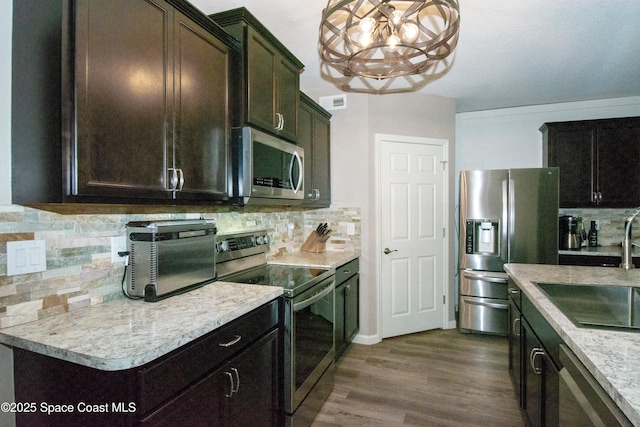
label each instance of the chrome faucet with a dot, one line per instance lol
(627, 245)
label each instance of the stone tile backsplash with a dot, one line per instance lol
(611, 223)
(79, 270)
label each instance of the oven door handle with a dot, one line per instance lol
(315, 298)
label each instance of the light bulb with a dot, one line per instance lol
(392, 42)
(409, 31)
(366, 25)
(365, 39)
(396, 17)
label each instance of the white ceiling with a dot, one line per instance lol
(510, 53)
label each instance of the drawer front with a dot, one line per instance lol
(161, 379)
(483, 315)
(514, 293)
(483, 284)
(347, 270)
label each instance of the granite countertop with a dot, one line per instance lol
(125, 333)
(311, 259)
(611, 356)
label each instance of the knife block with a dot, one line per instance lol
(315, 243)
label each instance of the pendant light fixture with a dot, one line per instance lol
(381, 39)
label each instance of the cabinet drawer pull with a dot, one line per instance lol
(230, 343)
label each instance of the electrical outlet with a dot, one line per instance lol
(351, 229)
(118, 244)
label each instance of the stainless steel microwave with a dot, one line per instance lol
(270, 169)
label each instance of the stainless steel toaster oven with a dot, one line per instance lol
(169, 257)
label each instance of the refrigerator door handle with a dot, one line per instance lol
(511, 225)
(506, 226)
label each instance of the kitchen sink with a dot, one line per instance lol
(597, 306)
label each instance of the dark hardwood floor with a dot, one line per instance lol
(433, 378)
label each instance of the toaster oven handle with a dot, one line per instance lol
(299, 160)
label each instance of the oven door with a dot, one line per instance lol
(310, 340)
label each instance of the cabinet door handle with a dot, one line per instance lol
(180, 179)
(231, 387)
(516, 332)
(535, 352)
(279, 121)
(235, 371)
(230, 343)
(173, 179)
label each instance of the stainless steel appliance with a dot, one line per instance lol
(570, 232)
(308, 319)
(508, 215)
(269, 170)
(168, 257)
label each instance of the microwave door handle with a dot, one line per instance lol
(299, 160)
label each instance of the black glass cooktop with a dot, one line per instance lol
(293, 279)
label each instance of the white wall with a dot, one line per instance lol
(6, 10)
(5, 101)
(510, 137)
(353, 169)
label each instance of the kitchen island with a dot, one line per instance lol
(177, 361)
(124, 333)
(611, 356)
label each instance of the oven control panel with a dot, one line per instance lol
(242, 241)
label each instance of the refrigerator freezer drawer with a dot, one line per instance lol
(483, 284)
(485, 315)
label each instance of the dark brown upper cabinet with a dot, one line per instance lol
(271, 76)
(138, 103)
(599, 161)
(314, 137)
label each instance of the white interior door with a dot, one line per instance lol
(411, 205)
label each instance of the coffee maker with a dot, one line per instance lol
(570, 232)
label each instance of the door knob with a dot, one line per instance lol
(387, 251)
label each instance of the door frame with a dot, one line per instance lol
(379, 138)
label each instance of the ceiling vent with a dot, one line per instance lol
(336, 102)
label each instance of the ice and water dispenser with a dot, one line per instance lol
(483, 236)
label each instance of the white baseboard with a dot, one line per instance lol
(366, 339)
(451, 325)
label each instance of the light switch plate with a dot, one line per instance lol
(26, 256)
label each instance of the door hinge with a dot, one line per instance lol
(444, 232)
(444, 164)
(444, 299)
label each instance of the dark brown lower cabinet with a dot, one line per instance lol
(540, 381)
(216, 380)
(552, 385)
(242, 392)
(347, 308)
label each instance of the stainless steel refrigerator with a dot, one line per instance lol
(506, 216)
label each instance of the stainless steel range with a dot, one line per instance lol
(308, 319)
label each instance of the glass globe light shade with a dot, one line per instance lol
(409, 31)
